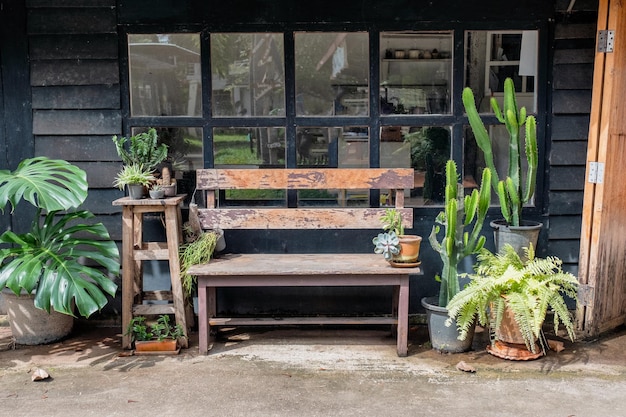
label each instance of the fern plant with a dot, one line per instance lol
(143, 149)
(529, 288)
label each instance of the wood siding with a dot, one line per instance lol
(572, 78)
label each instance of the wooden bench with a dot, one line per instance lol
(301, 270)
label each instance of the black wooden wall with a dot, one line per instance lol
(572, 79)
(61, 85)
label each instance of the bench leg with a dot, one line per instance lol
(203, 319)
(403, 317)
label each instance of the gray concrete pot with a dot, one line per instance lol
(444, 338)
(32, 326)
(517, 236)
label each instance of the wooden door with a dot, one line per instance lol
(602, 269)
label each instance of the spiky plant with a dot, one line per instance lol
(511, 192)
(143, 149)
(458, 215)
(529, 288)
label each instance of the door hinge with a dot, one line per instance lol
(606, 39)
(596, 172)
(585, 295)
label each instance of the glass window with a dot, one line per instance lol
(248, 74)
(249, 146)
(332, 73)
(165, 75)
(415, 73)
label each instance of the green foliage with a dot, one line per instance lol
(139, 330)
(143, 149)
(392, 221)
(458, 215)
(133, 174)
(197, 252)
(62, 257)
(388, 244)
(510, 190)
(530, 288)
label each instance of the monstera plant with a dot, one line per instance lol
(65, 259)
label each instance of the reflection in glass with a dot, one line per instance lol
(248, 146)
(165, 75)
(415, 72)
(248, 74)
(332, 74)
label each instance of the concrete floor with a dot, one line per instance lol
(309, 372)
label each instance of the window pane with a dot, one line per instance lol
(165, 75)
(332, 74)
(354, 148)
(184, 154)
(248, 74)
(258, 146)
(426, 150)
(494, 56)
(415, 73)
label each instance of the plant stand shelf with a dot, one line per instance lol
(135, 250)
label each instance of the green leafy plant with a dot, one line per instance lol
(143, 149)
(387, 244)
(133, 174)
(392, 221)
(528, 287)
(511, 192)
(458, 215)
(62, 258)
(195, 252)
(161, 329)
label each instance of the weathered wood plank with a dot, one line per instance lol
(296, 218)
(567, 178)
(564, 227)
(77, 97)
(92, 46)
(567, 250)
(347, 179)
(568, 153)
(77, 122)
(74, 72)
(566, 202)
(70, 3)
(100, 174)
(570, 127)
(72, 20)
(571, 101)
(574, 56)
(78, 148)
(575, 31)
(573, 76)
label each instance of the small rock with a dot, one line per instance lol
(462, 366)
(556, 345)
(39, 375)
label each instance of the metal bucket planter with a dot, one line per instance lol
(444, 338)
(136, 191)
(33, 326)
(517, 236)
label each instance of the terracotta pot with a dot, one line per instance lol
(167, 345)
(509, 342)
(409, 250)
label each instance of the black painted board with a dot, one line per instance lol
(573, 76)
(53, 20)
(74, 72)
(77, 148)
(100, 174)
(568, 153)
(566, 203)
(571, 101)
(564, 227)
(77, 97)
(77, 122)
(92, 46)
(570, 128)
(567, 178)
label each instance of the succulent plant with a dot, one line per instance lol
(388, 244)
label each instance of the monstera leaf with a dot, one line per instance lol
(64, 260)
(49, 184)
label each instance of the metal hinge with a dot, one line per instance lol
(606, 39)
(596, 172)
(585, 295)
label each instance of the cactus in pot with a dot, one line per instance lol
(457, 243)
(511, 191)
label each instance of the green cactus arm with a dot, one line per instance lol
(496, 109)
(510, 102)
(471, 204)
(451, 218)
(480, 132)
(516, 202)
(522, 117)
(532, 155)
(505, 206)
(484, 199)
(432, 238)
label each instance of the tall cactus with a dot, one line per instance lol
(511, 193)
(458, 214)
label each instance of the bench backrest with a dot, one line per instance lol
(213, 216)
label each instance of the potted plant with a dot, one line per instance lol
(143, 149)
(512, 295)
(462, 220)
(511, 190)
(156, 192)
(408, 245)
(64, 262)
(136, 177)
(159, 337)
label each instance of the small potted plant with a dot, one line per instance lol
(156, 192)
(409, 245)
(512, 295)
(64, 263)
(511, 190)
(159, 337)
(136, 177)
(462, 222)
